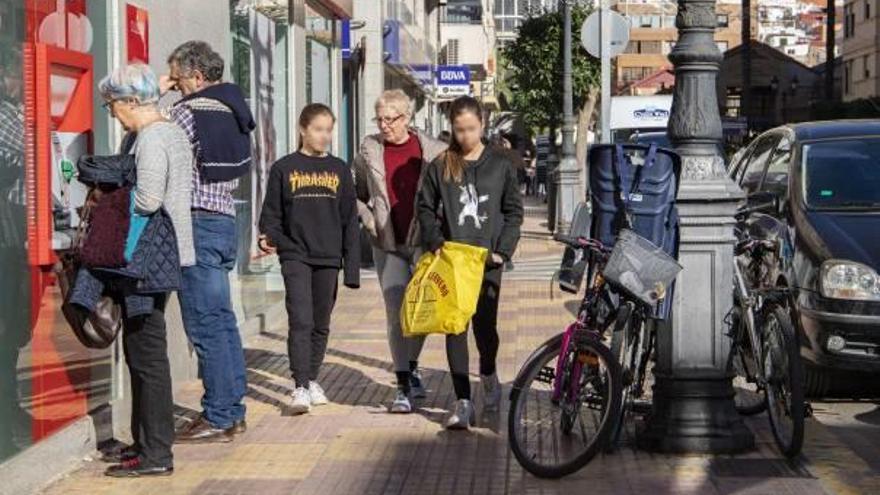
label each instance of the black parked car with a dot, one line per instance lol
(816, 188)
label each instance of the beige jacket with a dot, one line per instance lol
(372, 189)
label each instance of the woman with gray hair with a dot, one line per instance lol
(163, 158)
(388, 172)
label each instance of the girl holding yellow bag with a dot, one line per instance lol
(470, 195)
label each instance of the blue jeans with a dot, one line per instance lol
(210, 322)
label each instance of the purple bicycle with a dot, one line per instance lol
(567, 398)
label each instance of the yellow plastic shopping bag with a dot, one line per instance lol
(442, 295)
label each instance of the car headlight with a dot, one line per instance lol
(850, 280)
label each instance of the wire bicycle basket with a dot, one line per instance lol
(640, 268)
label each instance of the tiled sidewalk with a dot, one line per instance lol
(352, 446)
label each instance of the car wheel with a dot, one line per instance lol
(817, 382)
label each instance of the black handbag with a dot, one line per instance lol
(574, 263)
(96, 329)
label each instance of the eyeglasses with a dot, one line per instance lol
(387, 120)
(108, 104)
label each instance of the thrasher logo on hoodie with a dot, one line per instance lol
(313, 184)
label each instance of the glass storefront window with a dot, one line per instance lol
(282, 117)
(241, 48)
(401, 10)
(259, 66)
(320, 37)
(15, 317)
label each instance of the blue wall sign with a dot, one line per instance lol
(453, 75)
(346, 39)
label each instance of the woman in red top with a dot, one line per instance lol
(388, 172)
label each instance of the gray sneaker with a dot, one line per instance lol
(416, 386)
(491, 392)
(401, 404)
(463, 416)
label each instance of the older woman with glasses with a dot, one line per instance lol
(388, 173)
(163, 158)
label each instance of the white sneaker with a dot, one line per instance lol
(491, 392)
(302, 401)
(316, 393)
(462, 417)
(401, 404)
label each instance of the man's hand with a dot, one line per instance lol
(166, 84)
(497, 259)
(265, 244)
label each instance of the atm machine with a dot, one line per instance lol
(61, 116)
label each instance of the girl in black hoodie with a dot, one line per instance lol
(470, 195)
(310, 218)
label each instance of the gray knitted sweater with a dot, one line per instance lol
(164, 179)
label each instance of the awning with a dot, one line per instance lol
(279, 10)
(339, 8)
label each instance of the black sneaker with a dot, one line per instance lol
(417, 390)
(132, 469)
(120, 455)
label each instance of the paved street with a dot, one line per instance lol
(352, 446)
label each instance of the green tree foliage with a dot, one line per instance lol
(532, 67)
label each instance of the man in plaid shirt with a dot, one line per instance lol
(196, 71)
(208, 196)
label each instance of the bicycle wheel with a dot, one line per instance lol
(785, 381)
(552, 438)
(748, 398)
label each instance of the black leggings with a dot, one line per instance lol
(311, 295)
(485, 326)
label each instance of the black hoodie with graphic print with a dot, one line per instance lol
(484, 210)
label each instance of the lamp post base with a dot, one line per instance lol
(693, 412)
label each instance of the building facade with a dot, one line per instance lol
(861, 51)
(782, 88)
(509, 15)
(468, 38)
(394, 45)
(653, 35)
(797, 28)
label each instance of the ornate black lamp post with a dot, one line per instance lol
(693, 408)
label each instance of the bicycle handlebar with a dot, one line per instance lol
(749, 244)
(581, 243)
(568, 240)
